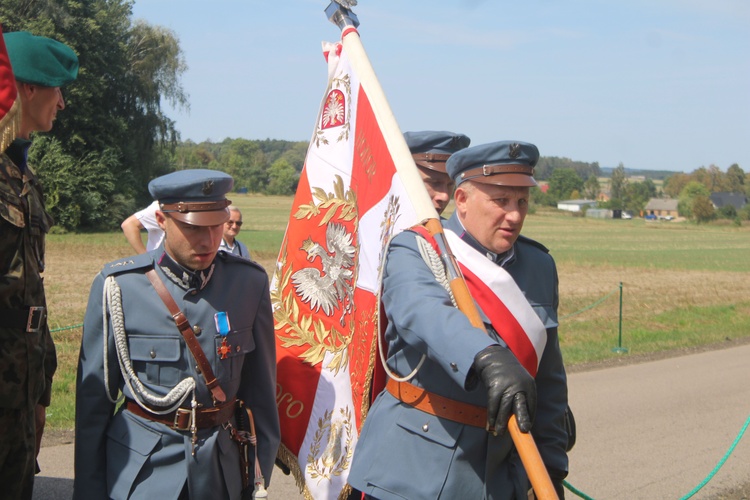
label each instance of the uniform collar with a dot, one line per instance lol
(18, 152)
(183, 276)
(227, 246)
(455, 225)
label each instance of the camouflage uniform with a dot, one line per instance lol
(27, 359)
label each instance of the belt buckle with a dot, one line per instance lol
(177, 414)
(36, 319)
(485, 172)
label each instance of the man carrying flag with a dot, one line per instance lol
(426, 435)
(430, 150)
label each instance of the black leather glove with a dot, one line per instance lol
(510, 389)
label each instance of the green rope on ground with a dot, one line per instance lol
(577, 492)
(697, 488)
(721, 462)
(66, 328)
(591, 306)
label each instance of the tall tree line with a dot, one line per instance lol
(114, 137)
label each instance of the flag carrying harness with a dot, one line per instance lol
(437, 266)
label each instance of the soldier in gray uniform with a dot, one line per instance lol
(426, 436)
(430, 150)
(175, 435)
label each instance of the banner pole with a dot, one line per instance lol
(347, 21)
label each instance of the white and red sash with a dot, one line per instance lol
(499, 297)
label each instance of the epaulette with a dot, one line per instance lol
(232, 258)
(128, 264)
(524, 239)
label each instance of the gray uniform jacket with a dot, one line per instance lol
(404, 453)
(127, 456)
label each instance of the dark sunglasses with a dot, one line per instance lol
(238, 223)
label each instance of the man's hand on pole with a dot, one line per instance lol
(510, 389)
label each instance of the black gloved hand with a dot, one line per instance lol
(510, 389)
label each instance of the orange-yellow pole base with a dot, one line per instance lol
(532, 462)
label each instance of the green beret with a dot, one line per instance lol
(41, 60)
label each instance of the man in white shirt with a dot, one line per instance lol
(145, 219)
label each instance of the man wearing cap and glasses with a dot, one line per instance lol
(430, 150)
(229, 242)
(188, 336)
(30, 99)
(438, 430)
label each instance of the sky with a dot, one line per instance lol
(651, 84)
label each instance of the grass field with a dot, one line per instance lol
(683, 285)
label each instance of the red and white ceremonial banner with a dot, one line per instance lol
(349, 202)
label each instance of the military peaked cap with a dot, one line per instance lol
(196, 197)
(506, 163)
(432, 149)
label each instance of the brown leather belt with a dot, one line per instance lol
(434, 404)
(180, 420)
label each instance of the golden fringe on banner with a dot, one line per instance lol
(10, 125)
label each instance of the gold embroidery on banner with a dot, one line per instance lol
(335, 458)
(388, 225)
(333, 109)
(366, 157)
(293, 407)
(296, 329)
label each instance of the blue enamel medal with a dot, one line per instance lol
(222, 328)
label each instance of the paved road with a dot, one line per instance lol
(656, 430)
(646, 431)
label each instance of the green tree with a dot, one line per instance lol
(637, 194)
(237, 159)
(617, 187)
(727, 212)
(563, 182)
(674, 184)
(78, 192)
(282, 178)
(539, 197)
(716, 179)
(689, 194)
(735, 179)
(113, 116)
(548, 164)
(703, 209)
(592, 188)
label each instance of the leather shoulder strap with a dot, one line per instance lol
(183, 325)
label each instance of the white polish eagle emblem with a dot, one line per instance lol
(334, 286)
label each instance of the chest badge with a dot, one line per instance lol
(222, 328)
(223, 349)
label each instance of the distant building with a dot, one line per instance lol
(575, 205)
(600, 213)
(661, 207)
(737, 200)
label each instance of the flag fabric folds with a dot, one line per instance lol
(349, 202)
